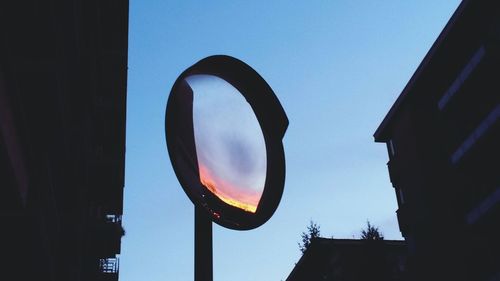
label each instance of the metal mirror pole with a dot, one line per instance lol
(203, 268)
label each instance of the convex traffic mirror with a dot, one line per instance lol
(224, 128)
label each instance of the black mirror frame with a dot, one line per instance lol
(180, 141)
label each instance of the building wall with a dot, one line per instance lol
(351, 259)
(445, 131)
(63, 71)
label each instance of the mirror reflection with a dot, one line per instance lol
(230, 146)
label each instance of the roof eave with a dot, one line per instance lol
(382, 132)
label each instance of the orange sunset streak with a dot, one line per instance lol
(209, 182)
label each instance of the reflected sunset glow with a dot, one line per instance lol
(243, 199)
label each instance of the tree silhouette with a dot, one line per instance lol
(371, 233)
(313, 231)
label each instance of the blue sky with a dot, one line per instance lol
(336, 66)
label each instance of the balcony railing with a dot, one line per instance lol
(113, 218)
(109, 265)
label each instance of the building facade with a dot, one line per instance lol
(351, 260)
(442, 136)
(63, 77)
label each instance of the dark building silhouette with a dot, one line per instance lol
(443, 139)
(351, 260)
(63, 73)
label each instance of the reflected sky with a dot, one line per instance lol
(230, 145)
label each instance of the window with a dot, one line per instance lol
(390, 147)
(464, 74)
(401, 196)
(481, 129)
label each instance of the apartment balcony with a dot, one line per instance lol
(105, 236)
(402, 214)
(108, 269)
